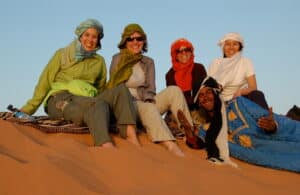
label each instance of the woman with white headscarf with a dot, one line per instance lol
(234, 72)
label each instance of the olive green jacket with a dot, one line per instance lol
(91, 70)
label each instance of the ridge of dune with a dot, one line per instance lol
(32, 162)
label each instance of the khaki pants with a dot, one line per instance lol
(94, 112)
(171, 99)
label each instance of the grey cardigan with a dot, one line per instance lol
(147, 91)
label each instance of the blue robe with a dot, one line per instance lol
(250, 143)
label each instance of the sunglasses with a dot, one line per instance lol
(139, 39)
(187, 49)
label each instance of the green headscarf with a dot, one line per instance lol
(124, 68)
(128, 31)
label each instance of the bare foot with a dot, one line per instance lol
(131, 135)
(173, 148)
(108, 145)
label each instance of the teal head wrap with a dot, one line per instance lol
(90, 23)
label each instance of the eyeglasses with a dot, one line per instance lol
(187, 49)
(139, 39)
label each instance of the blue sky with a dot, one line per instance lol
(32, 30)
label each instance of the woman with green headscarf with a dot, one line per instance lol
(137, 71)
(72, 88)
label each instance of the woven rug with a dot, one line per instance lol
(45, 124)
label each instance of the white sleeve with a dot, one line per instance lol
(249, 68)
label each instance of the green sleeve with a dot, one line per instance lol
(101, 80)
(44, 84)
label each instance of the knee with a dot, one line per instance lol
(121, 91)
(99, 108)
(101, 104)
(257, 93)
(259, 98)
(148, 108)
(120, 88)
(74, 113)
(174, 90)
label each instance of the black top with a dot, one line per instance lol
(198, 75)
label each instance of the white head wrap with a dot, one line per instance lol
(233, 36)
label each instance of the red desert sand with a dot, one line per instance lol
(32, 162)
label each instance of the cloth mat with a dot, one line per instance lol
(45, 124)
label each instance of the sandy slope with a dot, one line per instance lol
(32, 162)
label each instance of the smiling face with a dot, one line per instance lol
(206, 98)
(135, 43)
(183, 54)
(231, 47)
(89, 39)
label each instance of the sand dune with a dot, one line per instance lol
(32, 162)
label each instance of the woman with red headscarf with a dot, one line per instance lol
(132, 67)
(188, 76)
(185, 73)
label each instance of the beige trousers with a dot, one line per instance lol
(150, 114)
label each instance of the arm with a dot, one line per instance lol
(202, 72)
(251, 81)
(113, 64)
(170, 78)
(250, 77)
(198, 74)
(101, 80)
(150, 89)
(44, 84)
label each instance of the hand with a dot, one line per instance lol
(23, 111)
(237, 93)
(267, 123)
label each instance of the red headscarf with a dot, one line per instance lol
(183, 71)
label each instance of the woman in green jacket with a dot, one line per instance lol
(72, 88)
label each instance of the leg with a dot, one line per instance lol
(121, 104)
(96, 116)
(153, 122)
(156, 127)
(259, 98)
(82, 111)
(173, 99)
(173, 148)
(131, 135)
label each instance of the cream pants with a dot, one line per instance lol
(150, 114)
